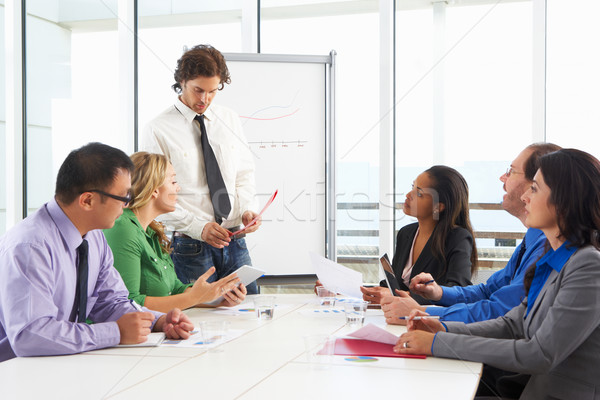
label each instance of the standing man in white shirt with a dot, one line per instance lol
(214, 167)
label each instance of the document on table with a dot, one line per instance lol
(375, 334)
(196, 340)
(154, 339)
(370, 340)
(336, 277)
(363, 347)
(240, 309)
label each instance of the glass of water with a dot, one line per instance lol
(265, 307)
(326, 297)
(213, 334)
(355, 313)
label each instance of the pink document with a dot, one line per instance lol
(362, 347)
(257, 217)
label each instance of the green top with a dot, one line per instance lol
(144, 267)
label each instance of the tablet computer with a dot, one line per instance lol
(247, 275)
(390, 277)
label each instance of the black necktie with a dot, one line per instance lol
(216, 186)
(520, 257)
(80, 303)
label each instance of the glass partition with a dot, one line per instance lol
(317, 28)
(164, 34)
(464, 95)
(72, 86)
(573, 81)
(2, 125)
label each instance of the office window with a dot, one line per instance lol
(464, 93)
(573, 81)
(413, 99)
(165, 32)
(2, 125)
(296, 27)
(72, 86)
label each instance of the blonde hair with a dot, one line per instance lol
(150, 171)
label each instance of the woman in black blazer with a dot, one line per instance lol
(441, 241)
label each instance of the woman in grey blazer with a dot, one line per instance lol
(554, 335)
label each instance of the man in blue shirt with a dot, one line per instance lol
(504, 289)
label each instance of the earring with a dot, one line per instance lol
(436, 214)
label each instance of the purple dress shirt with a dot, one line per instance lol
(38, 261)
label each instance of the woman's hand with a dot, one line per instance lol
(432, 325)
(234, 296)
(374, 294)
(420, 335)
(414, 342)
(203, 291)
(394, 307)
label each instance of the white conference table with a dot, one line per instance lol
(267, 361)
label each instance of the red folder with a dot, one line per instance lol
(362, 347)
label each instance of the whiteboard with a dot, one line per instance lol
(284, 107)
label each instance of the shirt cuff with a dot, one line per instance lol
(433, 341)
(196, 230)
(439, 311)
(157, 315)
(449, 296)
(107, 334)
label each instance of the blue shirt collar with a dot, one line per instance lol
(556, 259)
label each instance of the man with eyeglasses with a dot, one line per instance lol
(59, 291)
(504, 289)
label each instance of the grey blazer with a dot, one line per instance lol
(558, 343)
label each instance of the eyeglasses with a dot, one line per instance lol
(511, 171)
(127, 199)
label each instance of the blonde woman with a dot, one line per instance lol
(141, 249)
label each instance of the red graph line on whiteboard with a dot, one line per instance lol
(270, 119)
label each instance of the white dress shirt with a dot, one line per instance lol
(175, 134)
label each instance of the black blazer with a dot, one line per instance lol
(459, 245)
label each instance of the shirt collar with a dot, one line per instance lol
(532, 235)
(65, 226)
(130, 215)
(190, 114)
(556, 259)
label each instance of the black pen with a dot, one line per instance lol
(421, 317)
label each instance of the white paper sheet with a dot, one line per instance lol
(336, 277)
(196, 341)
(325, 312)
(154, 339)
(375, 334)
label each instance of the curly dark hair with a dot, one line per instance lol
(573, 177)
(201, 60)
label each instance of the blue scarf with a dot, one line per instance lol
(552, 260)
